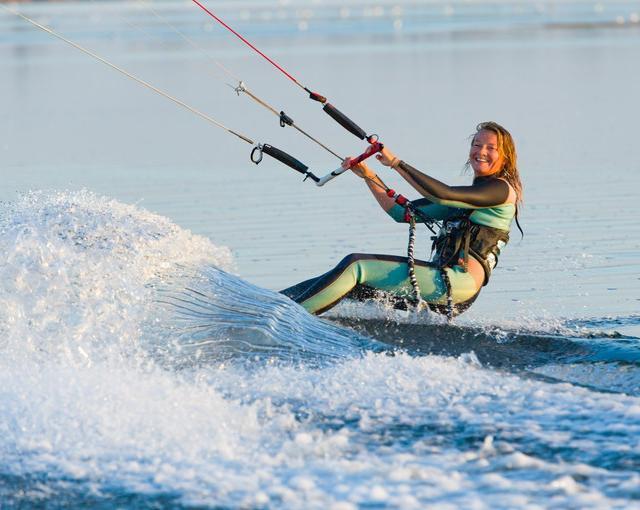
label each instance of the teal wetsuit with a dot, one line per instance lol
(482, 207)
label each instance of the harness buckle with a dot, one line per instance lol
(454, 224)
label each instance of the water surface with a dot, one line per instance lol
(147, 360)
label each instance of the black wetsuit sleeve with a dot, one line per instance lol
(484, 192)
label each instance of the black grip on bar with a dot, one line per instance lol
(285, 158)
(344, 121)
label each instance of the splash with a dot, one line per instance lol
(110, 316)
(74, 283)
(373, 431)
(217, 317)
(121, 386)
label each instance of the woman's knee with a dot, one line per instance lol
(463, 285)
(352, 258)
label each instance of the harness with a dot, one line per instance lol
(459, 237)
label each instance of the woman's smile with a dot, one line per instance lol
(484, 156)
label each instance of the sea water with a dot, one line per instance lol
(147, 359)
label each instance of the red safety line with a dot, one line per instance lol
(277, 66)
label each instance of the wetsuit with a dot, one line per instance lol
(476, 221)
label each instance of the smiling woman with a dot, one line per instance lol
(475, 227)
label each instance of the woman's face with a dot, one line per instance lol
(484, 156)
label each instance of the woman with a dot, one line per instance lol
(475, 227)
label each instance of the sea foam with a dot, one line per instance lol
(297, 413)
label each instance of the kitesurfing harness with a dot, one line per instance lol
(459, 237)
(462, 232)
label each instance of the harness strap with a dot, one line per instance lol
(410, 217)
(467, 241)
(447, 284)
(411, 262)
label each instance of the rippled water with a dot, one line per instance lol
(147, 360)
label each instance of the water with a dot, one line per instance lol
(147, 361)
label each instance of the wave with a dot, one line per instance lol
(74, 282)
(580, 352)
(378, 430)
(136, 369)
(217, 317)
(87, 278)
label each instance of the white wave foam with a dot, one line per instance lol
(75, 277)
(372, 430)
(379, 430)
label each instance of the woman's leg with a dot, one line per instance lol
(299, 288)
(387, 273)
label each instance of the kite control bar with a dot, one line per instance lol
(374, 148)
(283, 157)
(347, 123)
(299, 166)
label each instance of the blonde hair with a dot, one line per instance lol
(507, 148)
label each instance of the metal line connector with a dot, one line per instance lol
(240, 88)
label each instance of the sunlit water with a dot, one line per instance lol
(147, 360)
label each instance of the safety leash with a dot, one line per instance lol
(411, 263)
(447, 284)
(411, 211)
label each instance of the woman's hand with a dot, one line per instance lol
(361, 169)
(387, 158)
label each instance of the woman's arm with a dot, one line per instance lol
(483, 193)
(375, 185)
(388, 204)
